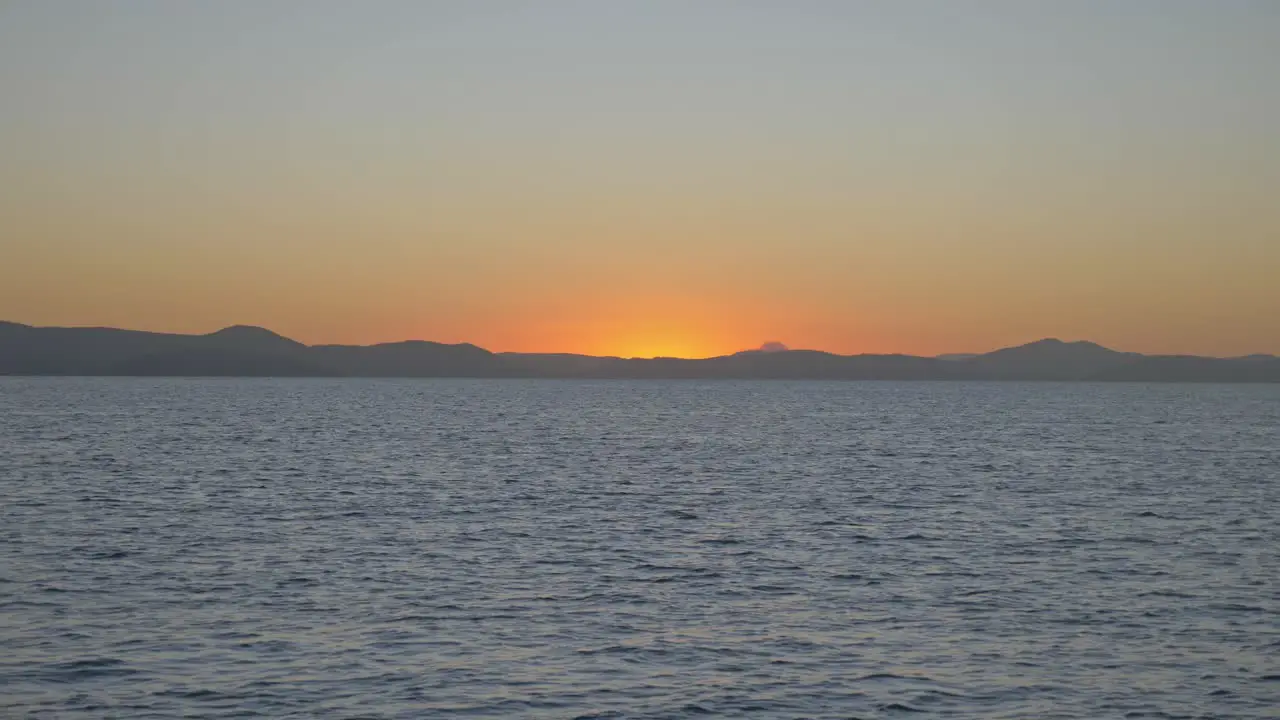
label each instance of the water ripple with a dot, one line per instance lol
(544, 549)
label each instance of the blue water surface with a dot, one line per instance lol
(560, 549)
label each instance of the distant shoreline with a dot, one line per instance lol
(243, 351)
(651, 379)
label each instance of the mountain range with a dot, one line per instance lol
(257, 352)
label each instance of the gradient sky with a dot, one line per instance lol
(686, 177)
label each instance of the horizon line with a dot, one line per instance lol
(764, 348)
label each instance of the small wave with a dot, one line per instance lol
(1167, 593)
(938, 695)
(1138, 540)
(299, 581)
(1238, 607)
(1150, 514)
(201, 694)
(116, 555)
(773, 588)
(90, 663)
(882, 676)
(89, 668)
(607, 650)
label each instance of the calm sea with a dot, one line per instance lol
(548, 549)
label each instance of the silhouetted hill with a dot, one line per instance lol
(220, 362)
(414, 358)
(1049, 359)
(559, 365)
(1185, 368)
(26, 350)
(256, 339)
(253, 351)
(812, 364)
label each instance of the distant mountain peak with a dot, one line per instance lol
(402, 344)
(245, 330)
(772, 346)
(1060, 341)
(252, 333)
(1054, 343)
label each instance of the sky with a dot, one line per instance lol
(667, 177)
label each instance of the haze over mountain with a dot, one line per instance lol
(258, 352)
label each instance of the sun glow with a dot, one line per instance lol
(634, 340)
(662, 348)
(645, 324)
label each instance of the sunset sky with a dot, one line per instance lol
(687, 177)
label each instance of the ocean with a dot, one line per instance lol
(606, 549)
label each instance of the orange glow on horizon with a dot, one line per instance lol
(657, 346)
(632, 339)
(660, 324)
